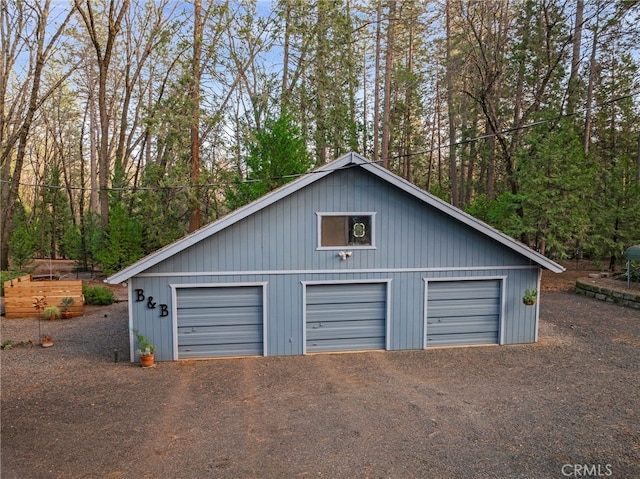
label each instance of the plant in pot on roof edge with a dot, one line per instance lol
(145, 350)
(530, 296)
(65, 304)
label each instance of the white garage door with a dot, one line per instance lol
(463, 312)
(346, 317)
(220, 321)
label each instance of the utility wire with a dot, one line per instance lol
(515, 129)
(178, 187)
(218, 184)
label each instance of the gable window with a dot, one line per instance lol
(338, 230)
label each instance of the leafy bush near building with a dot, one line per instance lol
(98, 295)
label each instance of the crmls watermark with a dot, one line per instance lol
(587, 470)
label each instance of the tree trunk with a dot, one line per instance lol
(453, 174)
(434, 127)
(590, 87)
(407, 110)
(388, 76)
(376, 85)
(103, 56)
(94, 202)
(81, 202)
(490, 162)
(9, 195)
(284, 94)
(194, 220)
(365, 130)
(352, 82)
(638, 163)
(573, 92)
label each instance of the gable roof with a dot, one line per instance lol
(347, 161)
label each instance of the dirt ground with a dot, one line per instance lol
(527, 411)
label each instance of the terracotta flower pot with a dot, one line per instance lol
(146, 361)
(67, 314)
(46, 342)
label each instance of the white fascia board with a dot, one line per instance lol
(289, 188)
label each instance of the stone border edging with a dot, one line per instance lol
(630, 299)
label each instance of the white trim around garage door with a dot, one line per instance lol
(501, 278)
(352, 281)
(174, 308)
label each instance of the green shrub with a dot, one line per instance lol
(22, 248)
(97, 295)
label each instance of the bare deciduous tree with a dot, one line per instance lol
(23, 28)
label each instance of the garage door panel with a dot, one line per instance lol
(458, 339)
(345, 329)
(461, 325)
(220, 316)
(451, 308)
(220, 321)
(463, 312)
(464, 288)
(349, 294)
(219, 335)
(233, 294)
(358, 311)
(351, 344)
(223, 350)
(346, 317)
(221, 300)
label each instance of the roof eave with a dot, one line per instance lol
(289, 188)
(229, 219)
(466, 218)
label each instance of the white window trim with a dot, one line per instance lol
(345, 213)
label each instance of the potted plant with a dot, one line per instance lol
(51, 313)
(145, 350)
(65, 304)
(46, 341)
(530, 296)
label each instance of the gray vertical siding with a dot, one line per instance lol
(277, 246)
(283, 236)
(284, 306)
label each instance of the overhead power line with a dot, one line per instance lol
(218, 184)
(508, 131)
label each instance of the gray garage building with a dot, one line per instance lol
(349, 257)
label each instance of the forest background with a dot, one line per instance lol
(125, 124)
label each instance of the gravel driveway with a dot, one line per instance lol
(562, 407)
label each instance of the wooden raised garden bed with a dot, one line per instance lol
(21, 294)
